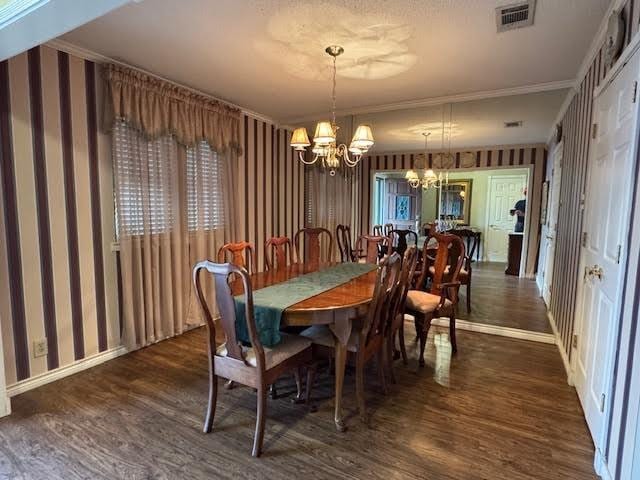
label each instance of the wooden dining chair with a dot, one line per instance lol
(343, 239)
(397, 309)
(241, 253)
(442, 298)
(368, 341)
(313, 239)
(472, 240)
(278, 253)
(399, 238)
(372, 248)
(256, 366)
(377, 231)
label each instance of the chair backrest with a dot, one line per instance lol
(227, 310)
(388, 227)
(448, 262)
(378, 312)
(343, 239)
(400, 240)
(472, 240)
(372, 247)
(277, 253)
(377, 230)
(399, 298)
(313, 250)
(242, 255)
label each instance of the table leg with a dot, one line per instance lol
(341, 360)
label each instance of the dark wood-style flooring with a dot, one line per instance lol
(501, 409)
(503, 300)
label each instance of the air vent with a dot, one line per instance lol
(514, 16)
(513, 124)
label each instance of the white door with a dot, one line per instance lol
(553, 206)
(503, 193)
(606, 226)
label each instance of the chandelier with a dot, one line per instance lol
(325, 148)
(429, 178)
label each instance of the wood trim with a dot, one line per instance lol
(497, 330)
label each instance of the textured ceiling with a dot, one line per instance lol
(268, 55)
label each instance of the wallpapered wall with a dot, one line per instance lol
(56, 209)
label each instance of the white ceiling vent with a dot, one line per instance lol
(516, 15)
(515, 124)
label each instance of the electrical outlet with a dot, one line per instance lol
(40, 348)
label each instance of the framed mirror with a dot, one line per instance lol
(455, 201)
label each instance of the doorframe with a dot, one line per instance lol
(5, 400)
(527, 216)
(601, 454)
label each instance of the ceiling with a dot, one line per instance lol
(477, 123)
(268, 55)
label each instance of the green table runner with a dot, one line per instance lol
(270, 302)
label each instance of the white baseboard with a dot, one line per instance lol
(563, 353)
(5, 406)
(601, 467)
(53, 375)
(497, 330)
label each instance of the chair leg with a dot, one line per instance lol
(260, 417)
(403, 349)
(469, 297)
(360, 387)
(272, 391)
(211, 407)
(425, 324)
(228, 385)
(452, 332)
(297, 373)
(311, 378)
(381, 360)
(389, 345)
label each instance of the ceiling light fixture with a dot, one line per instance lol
(325, 148)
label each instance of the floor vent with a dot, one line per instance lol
(514, 16)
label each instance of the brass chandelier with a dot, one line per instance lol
(325, 148)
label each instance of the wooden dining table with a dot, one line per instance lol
(335, 308)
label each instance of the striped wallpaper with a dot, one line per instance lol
(576, 125)
(57, 213)
(56, 210)
(494, 157)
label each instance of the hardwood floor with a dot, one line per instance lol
(504, 300)
(500, 409)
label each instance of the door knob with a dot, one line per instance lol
(597, 271)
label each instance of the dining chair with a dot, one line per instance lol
(313, 245)
(372, 248)
(442, 298)
(368, 341)
(256, 366)
(400, 239)
(472, 240)
(242, 255)
(377, 231)
(343, 239)
(387, 229)
(277, 253)
(397, 309)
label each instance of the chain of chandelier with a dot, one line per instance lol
(325, 149)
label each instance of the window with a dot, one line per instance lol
(155, 188)
(145, 181)
(204, 188)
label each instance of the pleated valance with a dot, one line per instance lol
(157, 108)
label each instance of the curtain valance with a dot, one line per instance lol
(156, 108)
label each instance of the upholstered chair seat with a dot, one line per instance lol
(321, 335)
(289, 346)
(425, 302)
(461, 276)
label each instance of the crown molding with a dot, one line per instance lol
(432, 101)
(99, 58)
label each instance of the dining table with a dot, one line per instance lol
(335, 307)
